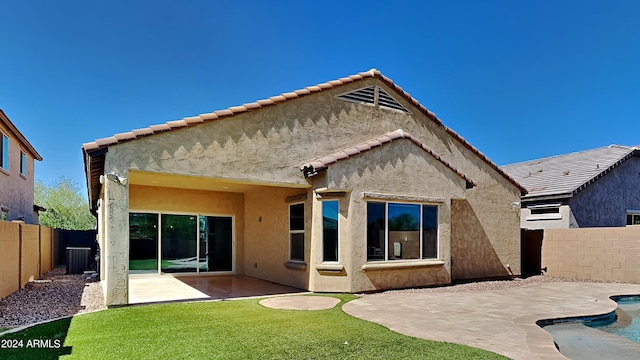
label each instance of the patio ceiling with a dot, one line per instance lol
(197, 182)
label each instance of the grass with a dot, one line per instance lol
(239, 329)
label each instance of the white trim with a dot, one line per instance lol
(401, 264)
(338, 229)
(291, 232)
(421, 226)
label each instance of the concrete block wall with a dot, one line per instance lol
(603, 254)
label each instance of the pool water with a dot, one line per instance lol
(626, 323)
(611, 336)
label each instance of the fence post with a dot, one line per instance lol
(19, 256)
(39, 251)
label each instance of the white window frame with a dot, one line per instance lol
(633, 214)
(421, 228)
(293, 232)
(337, 260)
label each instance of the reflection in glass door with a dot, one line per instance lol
(143, 243)
(183, 244)
(178, 243)
(216, 243)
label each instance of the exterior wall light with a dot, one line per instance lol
(115, 177)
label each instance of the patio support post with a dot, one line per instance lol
(116, 243)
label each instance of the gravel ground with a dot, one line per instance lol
(55, 295)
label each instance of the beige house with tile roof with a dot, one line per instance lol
(17, 180)
(347, 186)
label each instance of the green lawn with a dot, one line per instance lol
(239, 329)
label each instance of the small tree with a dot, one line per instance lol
(66, 207)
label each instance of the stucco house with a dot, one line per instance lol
(591, 188)
(346, 186)
(17, 158)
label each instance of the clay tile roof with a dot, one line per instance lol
(193, 120)
(314, 167)
(225, 112)
(251, 106)
(265, 102)
(124, 136)
(141, 132)
(92, 147)
(238, 109)
(177, 124)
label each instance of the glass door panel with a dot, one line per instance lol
(179, 243)
(216, 243)
(143, 243)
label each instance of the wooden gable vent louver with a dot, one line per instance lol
(373, 95)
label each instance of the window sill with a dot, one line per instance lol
(398, 265)
(330, 269)
(295, 265)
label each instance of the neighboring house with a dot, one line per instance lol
(346, 186)
(591, 188)
(16, 174)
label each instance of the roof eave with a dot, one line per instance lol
(19, 135)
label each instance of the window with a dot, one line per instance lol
(296, 232)
(397, 231)
(633, 218)
(330, 230)
(23, 164)
(4, 153)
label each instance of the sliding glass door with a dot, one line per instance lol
(216, 243)
(143, 243)
(179, 240)
(172, 243)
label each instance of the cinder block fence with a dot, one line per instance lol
(26, 252)
(605, 254)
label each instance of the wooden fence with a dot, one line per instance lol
(26, 252)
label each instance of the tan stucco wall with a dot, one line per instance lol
(269, 145)
(172, 200)
(267, 236)
(16, 191)
(404, 170)
(603, 254)
(9, 255)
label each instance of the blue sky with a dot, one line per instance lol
(519, 80)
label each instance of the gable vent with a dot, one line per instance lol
(373, 95)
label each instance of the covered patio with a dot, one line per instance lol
(169, 288)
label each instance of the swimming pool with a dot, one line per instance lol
(625, 321)
(613, 336)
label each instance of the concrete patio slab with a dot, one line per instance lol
(169, 288)
(300, 302)
(161, 289)
(502, 321)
